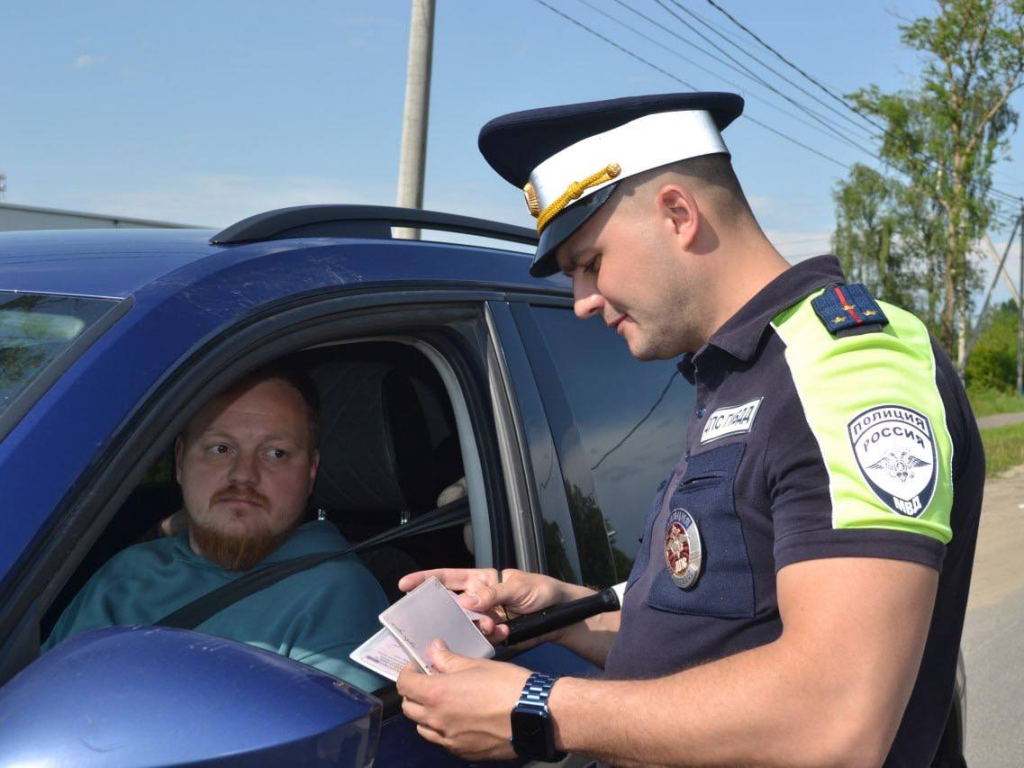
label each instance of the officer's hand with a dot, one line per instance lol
(466, 707)
(484, 592)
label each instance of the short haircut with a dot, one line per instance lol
(713, 172)
(294, 377)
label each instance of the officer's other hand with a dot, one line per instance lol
(495, 595)
(465, 708)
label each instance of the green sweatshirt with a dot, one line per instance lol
(317, 616)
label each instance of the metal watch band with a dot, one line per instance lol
(536, 692)
(536, 740)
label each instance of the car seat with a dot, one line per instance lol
(379, 467)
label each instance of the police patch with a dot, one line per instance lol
(895, 450)
(683, 554)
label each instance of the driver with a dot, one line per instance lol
(246, 463)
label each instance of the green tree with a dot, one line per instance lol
(866, 239)
(993, 362)
(888, 237)
(945, 137)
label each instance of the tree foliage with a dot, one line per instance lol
(942, 140)
(872, 237)
(993, 363)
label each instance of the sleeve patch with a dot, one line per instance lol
(848, 306)
(895, 450)
(876, 413)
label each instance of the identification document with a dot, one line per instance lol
(428, 612)
(382, 654)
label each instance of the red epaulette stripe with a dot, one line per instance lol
(845, 303)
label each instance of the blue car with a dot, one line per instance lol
(462, 366)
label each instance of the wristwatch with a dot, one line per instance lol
(533, 732)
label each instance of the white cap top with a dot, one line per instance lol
(637, 146)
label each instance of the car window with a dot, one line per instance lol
(631, 417)
(34, 329)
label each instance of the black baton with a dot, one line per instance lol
(536, 624)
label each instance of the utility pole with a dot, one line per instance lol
(412, 162)
(1020, 308)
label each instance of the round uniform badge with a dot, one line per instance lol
(682, 548)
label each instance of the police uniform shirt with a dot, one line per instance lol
(814, 436)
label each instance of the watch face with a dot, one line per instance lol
(532, 735)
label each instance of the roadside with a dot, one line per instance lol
(993, 641)
(1000, 420)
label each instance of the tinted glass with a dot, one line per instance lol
(631, 418)
(34, 330)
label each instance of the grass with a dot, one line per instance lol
(988, 402)
(1004, 448)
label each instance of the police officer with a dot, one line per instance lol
(799, 593)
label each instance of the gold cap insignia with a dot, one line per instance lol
(573, 192)
(532, 201)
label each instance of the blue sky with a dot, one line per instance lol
(207, 112)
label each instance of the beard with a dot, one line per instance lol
(235, 551)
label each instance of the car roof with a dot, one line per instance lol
(116, 263)
(96, 262)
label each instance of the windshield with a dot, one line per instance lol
(34, 330)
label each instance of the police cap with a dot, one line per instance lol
(568, 160)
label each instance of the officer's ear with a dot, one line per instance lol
(680, 213)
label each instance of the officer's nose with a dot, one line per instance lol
(587, 301)
(245, 470)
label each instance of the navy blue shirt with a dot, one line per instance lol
(809, 442)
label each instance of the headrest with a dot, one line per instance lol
(375, 450)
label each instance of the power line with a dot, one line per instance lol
(840, 99)
(1008, 181)
(774, 71)
(567, 17)
(778, 133)
(743, 69)
(693, 63)
(1015, 198)
(1005, 195)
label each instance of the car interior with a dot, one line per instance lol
(389, 447)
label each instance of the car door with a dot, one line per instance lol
(453, 324)
(616, 426)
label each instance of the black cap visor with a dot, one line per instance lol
(561, 228)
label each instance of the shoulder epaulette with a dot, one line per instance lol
(848, 306)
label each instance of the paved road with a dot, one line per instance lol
(993, 642)
(1000, 420)
(993, 649)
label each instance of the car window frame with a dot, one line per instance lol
(273, 332)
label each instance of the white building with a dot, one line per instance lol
(24, 217)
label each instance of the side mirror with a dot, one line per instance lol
(155, 696)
